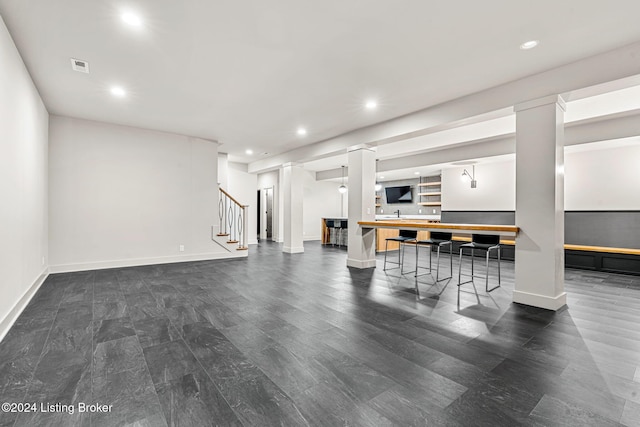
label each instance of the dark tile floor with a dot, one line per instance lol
(279, 339)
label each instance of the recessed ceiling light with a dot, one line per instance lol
(131, 18)
(301, 131)
(371, 105)
(381, 177)
(118, 91)
(529, 45)
(248, 151)
(417, 173)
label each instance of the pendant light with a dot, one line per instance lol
(343, 188)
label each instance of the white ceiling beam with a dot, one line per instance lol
(603, 128)
(566, 80)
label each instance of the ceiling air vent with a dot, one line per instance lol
(80, 65)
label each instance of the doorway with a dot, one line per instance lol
(268, 196)
(258, 204)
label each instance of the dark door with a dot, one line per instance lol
(269, 212)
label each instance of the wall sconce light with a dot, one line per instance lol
(343, 188)
(470, 176)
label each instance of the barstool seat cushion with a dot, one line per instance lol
(483, 241)
(401, 238)
(474, 245)
(404, 236)
(432, 242)
(437, 238)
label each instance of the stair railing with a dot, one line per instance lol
(234, 220)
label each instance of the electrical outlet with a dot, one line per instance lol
(381, 210)
(368, 211)
(434, 211)
(42, 260)
(181, 248)
(419, 210)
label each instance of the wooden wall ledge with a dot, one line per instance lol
(624, 251)
(603, 249)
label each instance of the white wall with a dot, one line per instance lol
(23, 184)
(496, 189)
(600, 179)
(603, 179)
(243, 187)
(321, 200)
(127, 196)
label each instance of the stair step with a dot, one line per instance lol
(242, 248)
(223, 234)
(232, 241)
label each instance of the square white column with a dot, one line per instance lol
(361, 250)
(539, 250)
(292, 192)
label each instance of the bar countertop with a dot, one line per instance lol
(502, 230)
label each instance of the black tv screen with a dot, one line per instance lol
(398, 194)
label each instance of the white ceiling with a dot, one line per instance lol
(248, 73)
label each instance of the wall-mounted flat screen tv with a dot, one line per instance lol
(400, 194)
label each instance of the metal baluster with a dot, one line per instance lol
(225, 210)
(221, 212)
(240, 227)
(230, 220)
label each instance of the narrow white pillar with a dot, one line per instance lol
(539, 263)
(292, 192)
(361, 251)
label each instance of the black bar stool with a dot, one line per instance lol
(437, 239)
(404, 237)
(484, 242)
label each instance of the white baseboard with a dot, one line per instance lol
(307, 238)
(293, 250)
(541, 301)
(100, 265)
(361, 264)
(21, 304)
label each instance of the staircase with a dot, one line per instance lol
(234, 220)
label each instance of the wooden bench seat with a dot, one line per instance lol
(605, 249)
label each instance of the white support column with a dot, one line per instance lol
(539, 257)
(361, 251)
(292, 192)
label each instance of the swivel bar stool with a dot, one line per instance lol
(404, 237)
(484, 242)
(437, 239)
